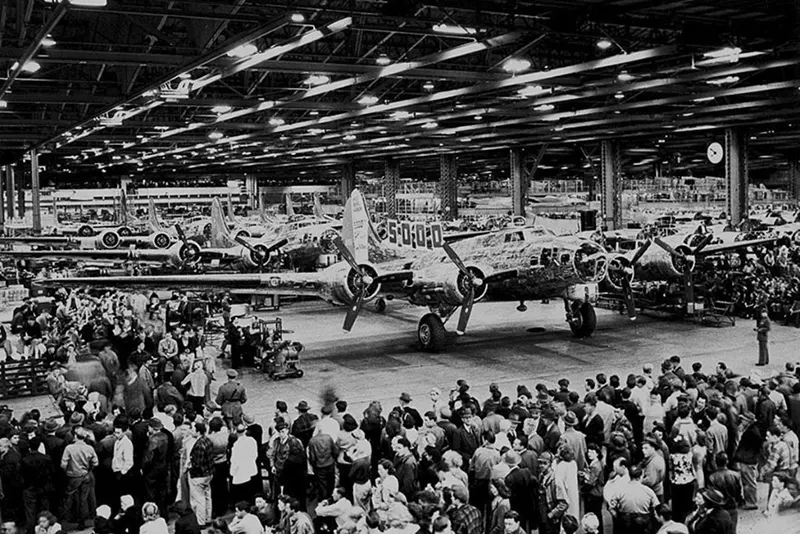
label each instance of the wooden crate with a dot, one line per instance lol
(23, 378)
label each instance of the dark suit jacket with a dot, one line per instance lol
(523, 488)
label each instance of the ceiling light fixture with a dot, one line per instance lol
(243, 51)
(220, 109)
(430, 125)
(604, 44)
(349, 137)
(383, 60)
(313, 112)
(216, 135)
(531, 90)
(428, 86)
(48, 41)
(723, 81)
(478, 117)
(30, 67)
(368, 100)
(317, 79)
(515, 65)
(724, 53)
(276, 121)
(454, 29)
(298, 18)
(401, 115)
(545, 107)
(619, 96)
(3, 104)
(624, 76)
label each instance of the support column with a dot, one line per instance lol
(794, 178)
(21, 189)
(611, 185)
(10, 191)
(348, 181)
(3, 173)
(448, 186)
(391, 180)
(519, 188)
(36, 206)
(736, 175)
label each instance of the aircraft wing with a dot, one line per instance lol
(40, 240)
(298, 284)
(150, 255)
(727, 247)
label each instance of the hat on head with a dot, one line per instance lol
(232, 373)
(546, 457)
(659, 425)
(103, 511)
(50, 425)
(405, 397)
(126, 501)
(570, 419)
(155, 424)
(76, 418)
(302, 406)
(240, 428)
(280, 425)
(714, 496)
(248, 419)
(494, 387)
(512, 457)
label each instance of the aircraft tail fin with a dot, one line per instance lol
(355, 226)
(152, 217)
(318, 206)
(220, 234)
(289, 205)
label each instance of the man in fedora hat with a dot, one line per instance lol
(521, 485)
(231, 396)
(763, 326)
(711, 516)
(303, 426)
(574, 439)
(407, 411)
(747, 456)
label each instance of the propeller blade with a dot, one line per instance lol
(354, 309)
(454, 257)
(640, 251)
(179, 230)
(627, 292)
(239, 239)
(671, 251)
(466, 311)
(347, 255)
(704, 243)
(278, 245)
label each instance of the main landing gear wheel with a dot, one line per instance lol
(431, 333)
(85, 231)
(583, 319)
(380, 305)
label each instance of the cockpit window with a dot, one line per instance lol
(513, 237)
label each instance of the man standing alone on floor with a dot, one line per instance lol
(762, 329)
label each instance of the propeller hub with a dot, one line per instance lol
(477, 282)
(367, 280)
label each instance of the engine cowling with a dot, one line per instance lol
(256, 258)
(188, 253)
(107, 240)
(160, 240)
(619, 269)
(347, 287)
(451, 286)
(241, 234)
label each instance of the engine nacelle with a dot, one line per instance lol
(347, 287)
(160, 240)
(451, 287)
(619, 270)
(107, 240)
(256, 258)
(185, 254)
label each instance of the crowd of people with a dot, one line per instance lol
(679, 451)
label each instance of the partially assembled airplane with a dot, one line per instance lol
(516, 265)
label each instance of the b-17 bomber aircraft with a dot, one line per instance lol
(515, 265)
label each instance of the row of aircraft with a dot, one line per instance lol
(516, 264)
